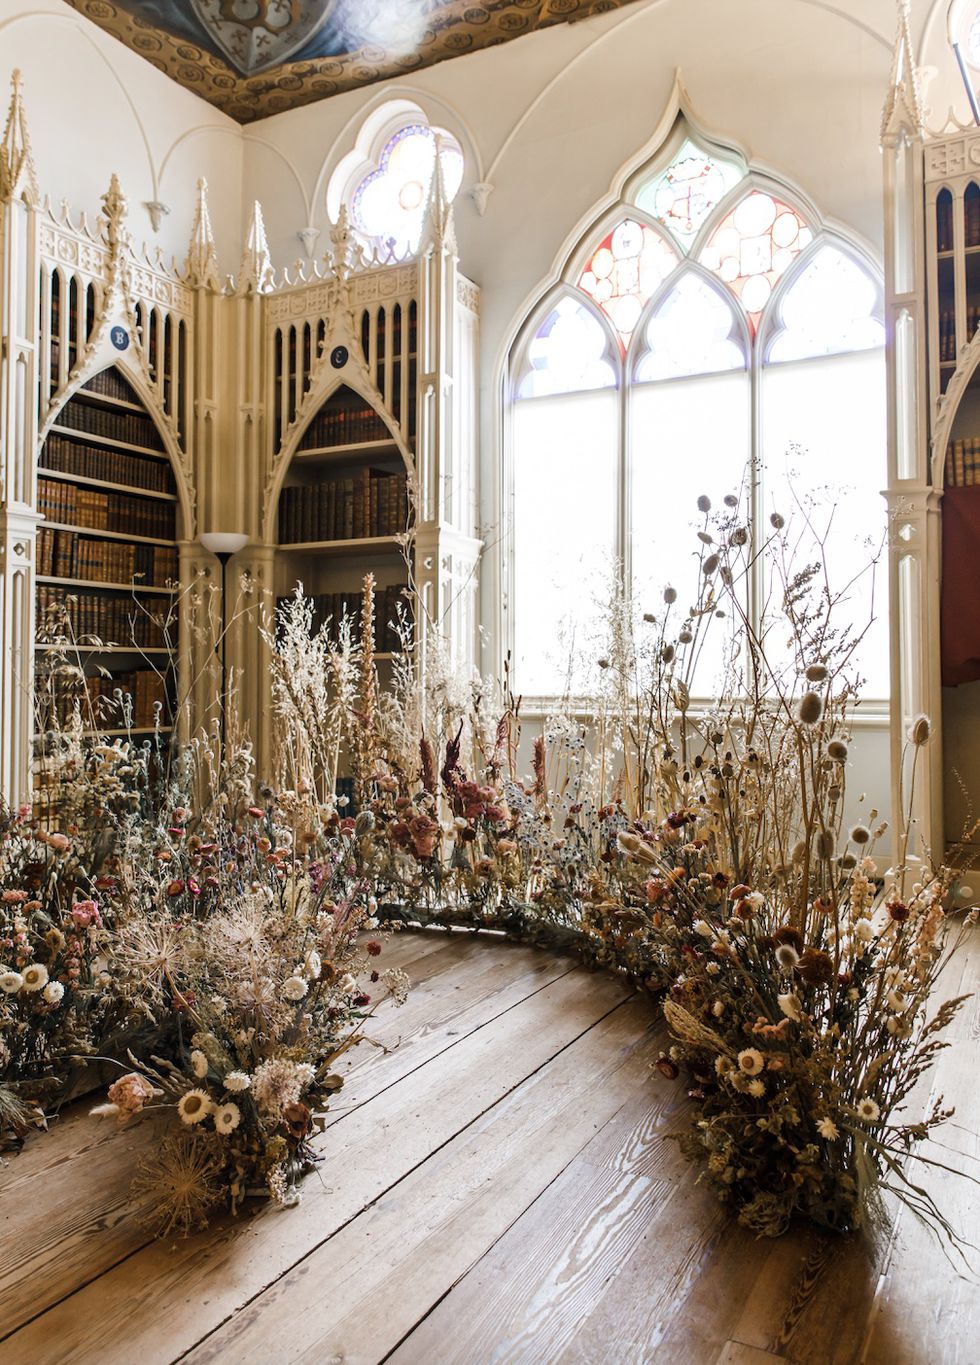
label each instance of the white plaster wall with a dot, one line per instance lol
(94, 107)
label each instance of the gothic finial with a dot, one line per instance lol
(343, 245)
(18, 179)
(439, 228)
(115, 207)
(903, 111)
(255, 272)
(201, 265)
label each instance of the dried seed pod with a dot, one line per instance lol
(709, 565)
(919, 731)
(825, 845)
(704, 504)
(860, 834)
(837, 749)
(816, 673)
(670, 595)
(811, 708)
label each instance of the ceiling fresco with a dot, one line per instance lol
(253, 58)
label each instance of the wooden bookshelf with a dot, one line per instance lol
(108, 543)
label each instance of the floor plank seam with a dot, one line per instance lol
(404, 1176)
(106, 1269)
(575, 1156)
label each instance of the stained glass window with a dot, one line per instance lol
(973, 41)
(828, 309)
(683, 195)
(389, 202)
(753, 246)
(569, 352)
(623, 272)
(691, 332)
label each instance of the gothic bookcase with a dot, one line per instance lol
(932, 250)
(143, 404)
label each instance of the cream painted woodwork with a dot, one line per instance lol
(932, 398)
(200, 353)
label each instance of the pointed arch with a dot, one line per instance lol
(842, 291)
(598, 367)
(693, 352)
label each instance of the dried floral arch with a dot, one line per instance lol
(696, 317)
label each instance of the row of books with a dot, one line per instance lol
(113, 618)
(373, 503)
(131, 427)
(971, 222)
(67, 456)
(947, 337)
(391, 605)
(65, 502)
(143, 690)
(963, 463)
(111, 384)
(342, 425)
(66, 554)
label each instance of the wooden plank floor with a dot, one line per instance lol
(497, 1186)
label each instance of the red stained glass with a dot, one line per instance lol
(753, 246)
(624, 271)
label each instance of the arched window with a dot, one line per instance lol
(713, 338)
(385, 181)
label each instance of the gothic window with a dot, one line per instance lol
(741, 351)
(385, 182)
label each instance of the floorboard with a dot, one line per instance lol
(498, 1185)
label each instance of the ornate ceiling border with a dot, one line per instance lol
(458, 27)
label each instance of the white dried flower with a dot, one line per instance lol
(237, 1081)
(757, 1088)
(10, 981)
(199, 1064)
(313, 965)
(294, 988)
(702, 927)
(35, 977)
(227, 1118)
(54, 993)
(867, 1110)
(790, 1006)
(828, 1129)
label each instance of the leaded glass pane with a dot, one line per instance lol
(683, 195)
(624, 271)
(389, 203)
(569, 352)
(690, 333)
(757, 242)
(828, 309)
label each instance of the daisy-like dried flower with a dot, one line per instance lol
(180, 1184)
(194, 1106)
(867, 1110)
(751, 1061)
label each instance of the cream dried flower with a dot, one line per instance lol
(237, 1081)
(757, 1088)
(867, 1110)
(35, 977)
(199, 1064)
(751, 1061)
(54, 993)
(828, 1129)
(194, 1106)
(10, 981)
(294, 988)
(790, 1006)
(227, 1117)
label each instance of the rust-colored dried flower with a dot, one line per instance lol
(815, 967)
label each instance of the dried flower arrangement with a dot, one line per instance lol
(700, 848)
(215, 962)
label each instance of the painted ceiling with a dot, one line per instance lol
(253, 58)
